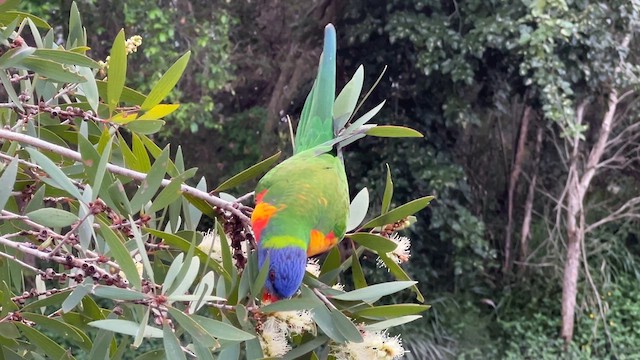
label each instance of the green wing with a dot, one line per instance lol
(316, 121)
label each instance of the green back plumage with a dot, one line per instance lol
(316, 121)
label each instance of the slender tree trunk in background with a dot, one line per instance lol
(576, 192)
(572, 262)
(528, 206)
(513, 181)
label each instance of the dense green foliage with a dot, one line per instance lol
(464, 74)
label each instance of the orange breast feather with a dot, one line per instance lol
(320, 242)
(261, 215)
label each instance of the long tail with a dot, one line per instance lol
(316, 122)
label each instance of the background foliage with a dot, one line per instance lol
(464, 74)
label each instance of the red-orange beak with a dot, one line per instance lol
(268, 298)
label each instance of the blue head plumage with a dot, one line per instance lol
(286, 269)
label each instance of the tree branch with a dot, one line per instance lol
(114, 169)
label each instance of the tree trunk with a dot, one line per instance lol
(513, 181)
(528, 206)
(572, 263)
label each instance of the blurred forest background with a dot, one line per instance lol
(532, 144)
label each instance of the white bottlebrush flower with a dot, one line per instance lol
(133, 43)
(338, 286)
(401, 253)
(137, 261)
(295, 322)
(313, 267)
(375, 345)
(273, 338)
(210, 244)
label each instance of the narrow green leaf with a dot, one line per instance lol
(197, 332)
(53, 300)
(89, 88)
(399, 213)
(59, 178)
(117, 72)
(166, 83)
(52, 217)
(347, 100)
(50, 69)
(230, 351)
(7, 17)
(152, 182)
(14, 56)
(374, 242)
(384, 325)
(358, 209)
(201, 205)
(128, 96)
(8, 87)
(306, 348)
(388, 192)
(172, 273)
(115, 293)
(227, 259)
(258, 284)
(152, 355)
(365, 118)
(359, 280)
(375, 291)
(137, 236)
(182, 244)
(140, 153)
(288, 305)
(393, 131)
(9, 5)
(66, 57)
(102, 168)
(120, 254)
(76, 31)
(392, 311)
(186, 277)
(55, 326)
(248, 174)
(172, 346)
(7, 180)
(43, 342)
(222, 330)
(9, 331)
(145, 127)
(126, 327)
(346, 327)
(168, 195)
(75, 297)
(204, 288)
(332, 261)
(399, 274)
(130, 160)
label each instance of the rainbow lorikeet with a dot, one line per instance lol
(302, 204)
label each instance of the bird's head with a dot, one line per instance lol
(286, 269)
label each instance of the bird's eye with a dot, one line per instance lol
(272, 275)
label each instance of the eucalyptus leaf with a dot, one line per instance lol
(117, 71)
(399, 213)
(126, 327)
(248, 174)
(166, 83)
(374, 242)
(358, 209)
(375, 291)
(52, 217)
